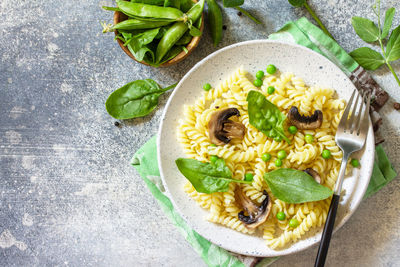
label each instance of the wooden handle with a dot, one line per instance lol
(326, 235)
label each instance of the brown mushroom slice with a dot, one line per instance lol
(221, 129)
(305, 122)
(313, 174)
(256, 214)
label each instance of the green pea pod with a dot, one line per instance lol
(150, 2)
(185, 39)
(186, 5)
(177, 30)
(134, 24)
(172, 3)
(215, 21)
(139, 10)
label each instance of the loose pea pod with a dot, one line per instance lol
(134, 24)
(215, 21)
(177, 30)
(139, 10)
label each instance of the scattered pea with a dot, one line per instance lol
(207, 87)
(213, 158)
(355, 163)
(258, 82)
(326, 154)
(271, 90)
(266, 157)
(293, 223)
(309, 138)
(271, 69)
(213, 145)
(282, 154)
(260, 74)
(293, 129)
(281, 216)
(278, 162)
(249, 177)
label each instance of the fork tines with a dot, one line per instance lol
(355, 116)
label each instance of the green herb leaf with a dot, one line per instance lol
(393, 45)
(388, 22)
(135, 99)
(265, 116)
(232, 3)
(366, 29)
(369, 59)
(297, 3)
(294, 186)
(207, 177)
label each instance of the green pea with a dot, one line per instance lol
(278, 162)
(355, 163)
(281, 216)
(249, 177)
(309, 138)
(266, 157)
(260, 74)
(258, 82)
(207, 86)
(282, 154)
(271, 90)
(271, 69)
(213, 158)
(278, 138)
(213, 145)
(293, 223)
(326, 154)
(293, 129)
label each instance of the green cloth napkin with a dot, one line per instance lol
(145, 159)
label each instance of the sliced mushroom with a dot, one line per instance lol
(305, 122)
(221, 129)
(256, 215)
(313, 174)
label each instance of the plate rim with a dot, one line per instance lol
(159, 134)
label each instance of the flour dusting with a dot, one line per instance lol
(27, 220)
(7, 240)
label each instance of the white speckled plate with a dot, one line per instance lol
(253, 56)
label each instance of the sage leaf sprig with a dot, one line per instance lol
(135, 99)
(207, 177)
(303, 3)
(368, 31)
(294, 186)
(265, 116)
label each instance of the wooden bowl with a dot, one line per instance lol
(119, 16)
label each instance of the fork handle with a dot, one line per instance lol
(327, 233)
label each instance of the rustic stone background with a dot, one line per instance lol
(68, 195)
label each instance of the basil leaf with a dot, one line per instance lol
(265, 116)
(294, 186)
(232, 3)
(393, 45)
(388, 22)
(366, 29)
(369, 59)
(297, 3)
(135, 99)
(207, 177)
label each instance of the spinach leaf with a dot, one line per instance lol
(137, 43)
(366, 29)
(388, 22)
(265, 116)
(135, 99)
(294, 186)
(393, 45)
(232, 3)
(369, 59)
(207, 177)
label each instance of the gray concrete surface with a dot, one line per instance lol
(69, 197)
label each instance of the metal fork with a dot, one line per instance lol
(350, 137)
